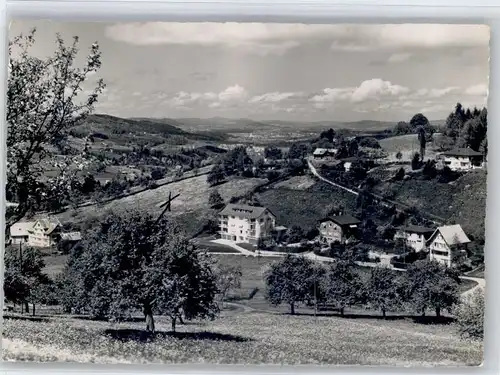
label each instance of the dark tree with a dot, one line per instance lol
(292, 280)
(382, 290)
(295, 234)
(415, 161)
(400, 174)
(215, 199)
(216, 175)
(429, 284)
(23, 275)
(429, 171)
(343, 285)
(273, 153)
(298, 151)
(328, 135)
(132, 262)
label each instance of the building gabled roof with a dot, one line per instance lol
(71, 236)
(417, 229)
(464, 152)
(48, 224)
(452, 234)
(244, 211)
(21, 229)
(342, 220)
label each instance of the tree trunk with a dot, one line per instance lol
(33, 309)
(150, 322)
(292, 308)
(341, 311)
(438, 312)
(423, 312)
(26, 308)
(173, 323)
(383, 313)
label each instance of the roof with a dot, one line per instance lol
(462, 152)
(417, 229)
(342, 220)
(49, 224)
(244, 211)
(71, 236)
(322, 151)
(452, 234)
(21, 229)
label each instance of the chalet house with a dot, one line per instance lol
(463, 159)
(45, 232)
(414, 237)
(337, 228)
(246, 224)
(325, 153)
(448, 244)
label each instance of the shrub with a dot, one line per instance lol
(470, 316)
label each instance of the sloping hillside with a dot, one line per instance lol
(111, 125)
(462, 201)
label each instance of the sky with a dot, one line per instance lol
(300, 72)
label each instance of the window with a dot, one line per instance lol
(440, 253)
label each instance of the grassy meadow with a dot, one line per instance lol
(241, 337)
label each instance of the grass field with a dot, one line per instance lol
(193, 192)
(305, 207)
(463, 201)
(241, 337)
(407, 145)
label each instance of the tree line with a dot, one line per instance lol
(426, 285)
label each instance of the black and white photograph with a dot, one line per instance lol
(245, 193)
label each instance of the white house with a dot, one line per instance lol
(325, 153)
(414, 237)
(246, 224)
(463, 159)
(19, 232)
(448, 244)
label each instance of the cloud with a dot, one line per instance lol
(437, 93)
(228, 95)
(274, 97)
(235, 92)
(372, 89)
(399, 57)
(376, 88)
(477, 90)
(263, 38)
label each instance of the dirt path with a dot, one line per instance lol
(435, 219)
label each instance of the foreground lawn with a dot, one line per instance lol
(241, 338)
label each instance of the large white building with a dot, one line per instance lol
(414, 237)
(448, 244)
(246, 224)
(463, 159)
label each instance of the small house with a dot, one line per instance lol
(337, 228)
(448, 244)
(246, 224)
(325, 153)
(19, 232)
(413, 236)
(463, 159)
